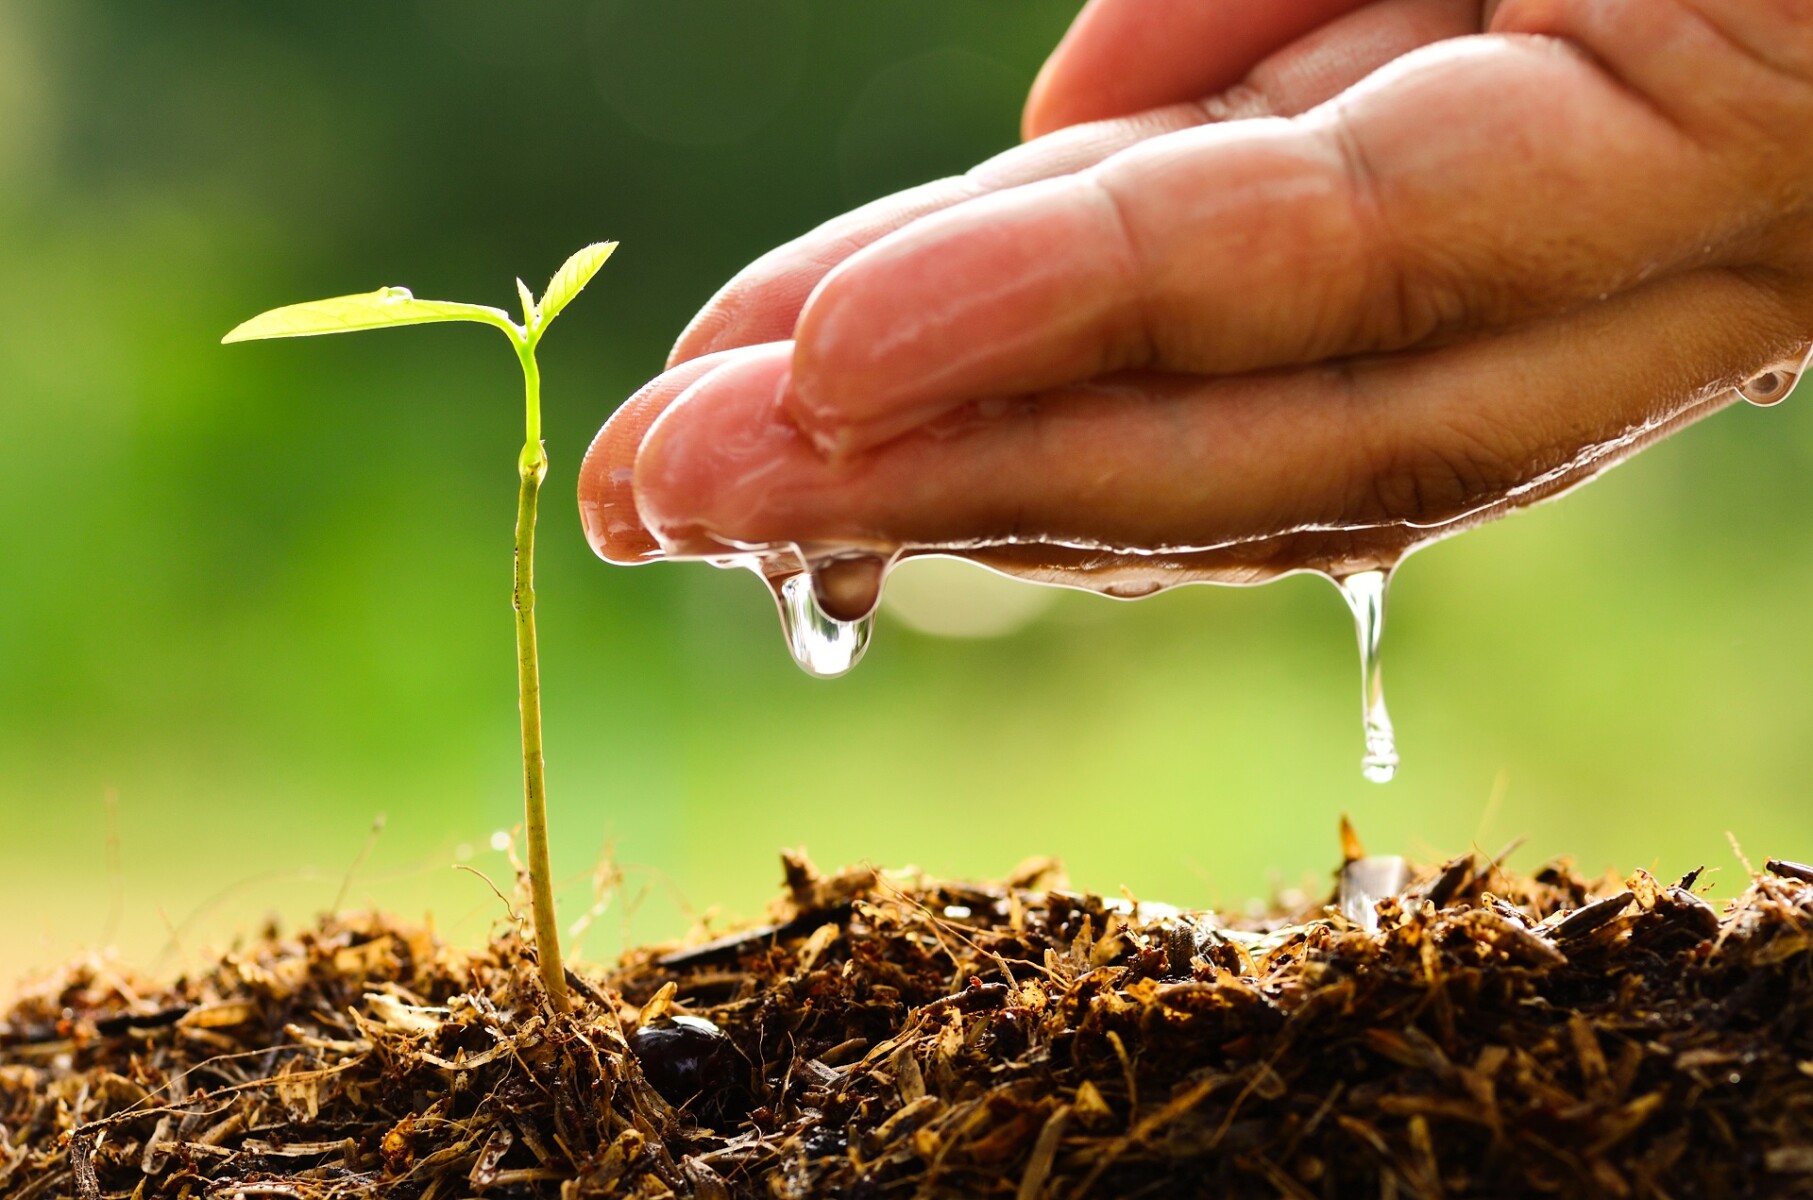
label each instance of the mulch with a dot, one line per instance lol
(1454, 1030)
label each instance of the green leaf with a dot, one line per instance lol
(529, 310)
(367, 310)
(572, 277)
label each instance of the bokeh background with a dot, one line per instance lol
(253, 597)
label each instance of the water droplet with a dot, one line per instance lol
(1365, 882)
(1365, 595)
(822, 645)
(1770, 387)
(848, 587)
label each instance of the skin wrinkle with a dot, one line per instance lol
(1575, 268)
(1580, 467)
(1298, 195)
(1422, 481)
(1672, 98)
(1435, 481)
(1792, 324)
(1382, 271)
(1760, 46)
(1761, 107)
(1585, 461)
(1420, 302)
(1788, 291)
(1138, 347)
(1595, 452)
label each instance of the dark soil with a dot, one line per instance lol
(1494, 1036)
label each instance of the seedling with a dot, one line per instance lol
(392, 306)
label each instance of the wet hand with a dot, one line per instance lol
(1482, 274)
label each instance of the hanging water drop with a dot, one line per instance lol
(1771, 387)
(1365, 595)
(822, 645)
(848, 586)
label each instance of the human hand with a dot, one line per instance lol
(1482, 275)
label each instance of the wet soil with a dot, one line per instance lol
(1471, 1033)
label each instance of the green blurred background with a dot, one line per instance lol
(259, 595)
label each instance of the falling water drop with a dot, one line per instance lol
(1365, 595)
(822, 645)
(1770, 387)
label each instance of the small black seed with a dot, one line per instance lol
(692, 1063)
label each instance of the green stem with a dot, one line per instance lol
(532, 467)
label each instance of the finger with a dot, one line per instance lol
(1419, 443)
(607, 502)
(1126, 56)
(1363, 226)
(763, 301)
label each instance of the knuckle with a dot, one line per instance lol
(1410, 296)
(1134, 339)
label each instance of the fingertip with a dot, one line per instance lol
(700, 336)
(1052, 103)
(757, 305)
(1070, 88)
(762, 302)
(607, 507)
(702, 469)
(1043, 112)
(741, 313)
(608, 512)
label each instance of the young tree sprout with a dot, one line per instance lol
(391, 306)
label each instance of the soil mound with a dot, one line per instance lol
(1444, 1032)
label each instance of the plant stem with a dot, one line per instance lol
(532, 467)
